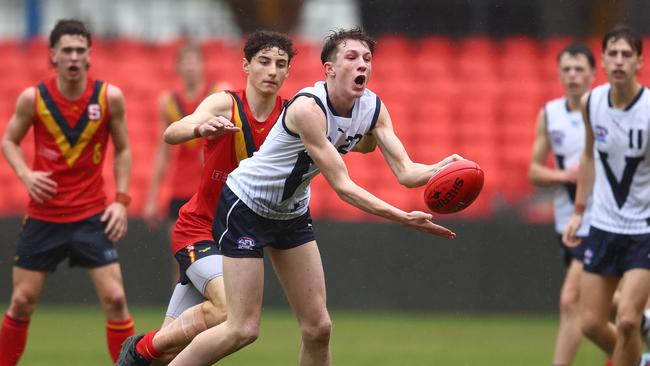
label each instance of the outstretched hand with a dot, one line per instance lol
(422, 221)
(39, 185)
(217, 126)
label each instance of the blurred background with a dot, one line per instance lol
(458, 76)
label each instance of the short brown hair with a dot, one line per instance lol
(339, 36)
(71, 27)
(628, 34)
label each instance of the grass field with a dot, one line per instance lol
(75, 336)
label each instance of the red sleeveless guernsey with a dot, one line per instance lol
(70, 140)
(222, 155)
(188, 157)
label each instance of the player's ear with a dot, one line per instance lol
(245, 65)
(52, 54)
(329, 69)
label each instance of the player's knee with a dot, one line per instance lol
(627, 325)
(213, 314)
(115, 301)
(318, 332)
(22, 304)
(569, 302)
(247, 333)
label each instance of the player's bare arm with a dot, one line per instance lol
(408, 173)
(538, 172)
(39, 186)
(211, 119)
(586, 176)
(306, 119)
(367, 144)
(115, 213)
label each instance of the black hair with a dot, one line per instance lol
(577, 48)
(339, 36)
(263, 39)
(71, 27)
(628, 34)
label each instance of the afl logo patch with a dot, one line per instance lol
(245, 243)
(600, 133)
(557, 137)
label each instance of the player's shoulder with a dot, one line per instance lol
(114, 93)
(559, 102)
(27, 95)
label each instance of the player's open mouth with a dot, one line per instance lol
(360, 80)
(73, 68)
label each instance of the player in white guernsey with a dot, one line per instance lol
(615, 164)
(560, 130)
(264, 206)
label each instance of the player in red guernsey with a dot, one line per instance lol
(187, 158)
(234, 125)
(73, 116)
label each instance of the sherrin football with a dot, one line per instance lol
(454, 187)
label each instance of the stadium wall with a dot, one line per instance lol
(500, 265)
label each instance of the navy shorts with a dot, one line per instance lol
(175, 205)
(192, 253)
(610, 254)
(569, 254)
(42, 245)
(241, 233)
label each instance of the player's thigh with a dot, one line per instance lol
(107, 281)
(168, 320)
(244, 288)
(635, 290)
(571, 286)
(183, 297)
(215, 308)
(300, 271)
(596, 292)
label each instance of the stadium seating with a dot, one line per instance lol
(475, 96)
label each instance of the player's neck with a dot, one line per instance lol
(622, 95)
(71, 90)
(342, 105)
(260, 105)
(192, 88)
(574, 102)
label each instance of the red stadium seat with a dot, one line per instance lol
(435, 47)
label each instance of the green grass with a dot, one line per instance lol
(75, 336)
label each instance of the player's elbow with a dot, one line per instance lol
(170, 137)
(408, 180)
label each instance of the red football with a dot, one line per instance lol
(454, 187)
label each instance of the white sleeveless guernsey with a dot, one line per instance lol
(274, 182)
(622, 187)
(566, 133)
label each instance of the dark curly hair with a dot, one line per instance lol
(261, 40)
(339, 36)
(71, 27)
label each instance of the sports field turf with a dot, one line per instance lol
(75, 336)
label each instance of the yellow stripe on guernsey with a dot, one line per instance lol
(71, 153)
(175, 114)
(124, 326)
(240, 141)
